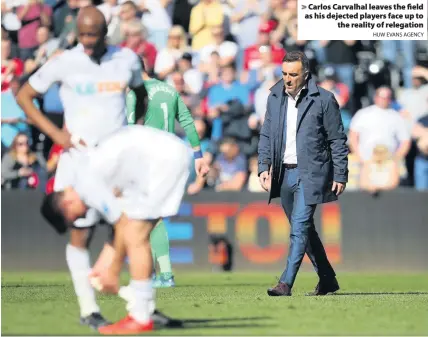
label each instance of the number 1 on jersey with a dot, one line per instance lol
(164, 107)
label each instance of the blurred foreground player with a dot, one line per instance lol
(93, 78)
(151, 181)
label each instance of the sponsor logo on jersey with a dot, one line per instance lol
(92, 88)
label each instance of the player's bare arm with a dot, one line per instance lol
(25, 99)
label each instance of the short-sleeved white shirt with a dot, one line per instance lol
(93, 95)
(142, 173)
(376, 126)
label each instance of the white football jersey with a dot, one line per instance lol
(144, 163)
(93, 95)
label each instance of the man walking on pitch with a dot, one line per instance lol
(151, 181)
(303, 160)
(165, 106)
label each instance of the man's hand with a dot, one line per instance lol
(201, 167)
(265, 180)
(108, 281)
(338, 188)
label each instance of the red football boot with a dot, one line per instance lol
(126, 326)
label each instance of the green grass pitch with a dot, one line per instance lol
(232, 304)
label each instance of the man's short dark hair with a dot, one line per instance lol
(130, 3)
(296, 55)
(52, 212)
(231, 65)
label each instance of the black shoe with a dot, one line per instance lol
(281, 289)
(164, 321)
(325, 288)
(94, 321)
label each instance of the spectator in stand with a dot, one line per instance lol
(21, 168)
(14, 50)
(391, 49)
(227, 50)
(128, 13)
(253, 179)
(32, 15)
(10, 67)
(13, 119)
(290, 40)
(203, 17)
(64, 17)
(47, 47)
(245, 19)
(177, 81)
(192, 77)
(280, 12)
(252, 55)
(341, 93)
(414, 99)
(9, 19)
(380, 172)
(136, 39)
(420, 134)
(166, 60)
(157, 21)
(256, 120)
(229, 171)
(228, 89)
(341, 56)
(378, 124)
(253, 78)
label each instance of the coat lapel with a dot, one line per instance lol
(302, 108)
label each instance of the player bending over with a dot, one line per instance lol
(93, 78)
(164, 107)
(151, 181)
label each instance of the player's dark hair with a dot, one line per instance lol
(296, 55)
(53, 213)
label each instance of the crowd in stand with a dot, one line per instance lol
(223, 57)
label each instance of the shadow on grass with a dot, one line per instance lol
(217, 323)
(32, 285)
(381, 293)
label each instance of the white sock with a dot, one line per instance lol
(79, 264)
(142, 294)
(127, 294)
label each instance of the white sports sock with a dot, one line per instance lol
(79, 264)
(142, 294)
(126, 293)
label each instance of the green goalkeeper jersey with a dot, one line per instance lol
(164, 107)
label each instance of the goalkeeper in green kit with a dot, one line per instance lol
(164, 106)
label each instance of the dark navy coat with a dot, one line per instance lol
(322, 153)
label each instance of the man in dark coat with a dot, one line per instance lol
(303, 160)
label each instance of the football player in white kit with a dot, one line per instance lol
(94, 78)
(151, 181)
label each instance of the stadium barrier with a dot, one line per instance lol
(360, 232)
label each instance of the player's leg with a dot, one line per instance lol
(135, 236)
(160, 247)
(77, 253)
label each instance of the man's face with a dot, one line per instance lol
(127, 12)
(42, 35)
(294, 77)
(72, 206)
(229, 150)
(218, 35)
(134, 37)
(264, 39)
(383, 98)
(92, 38)
(228, 75)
